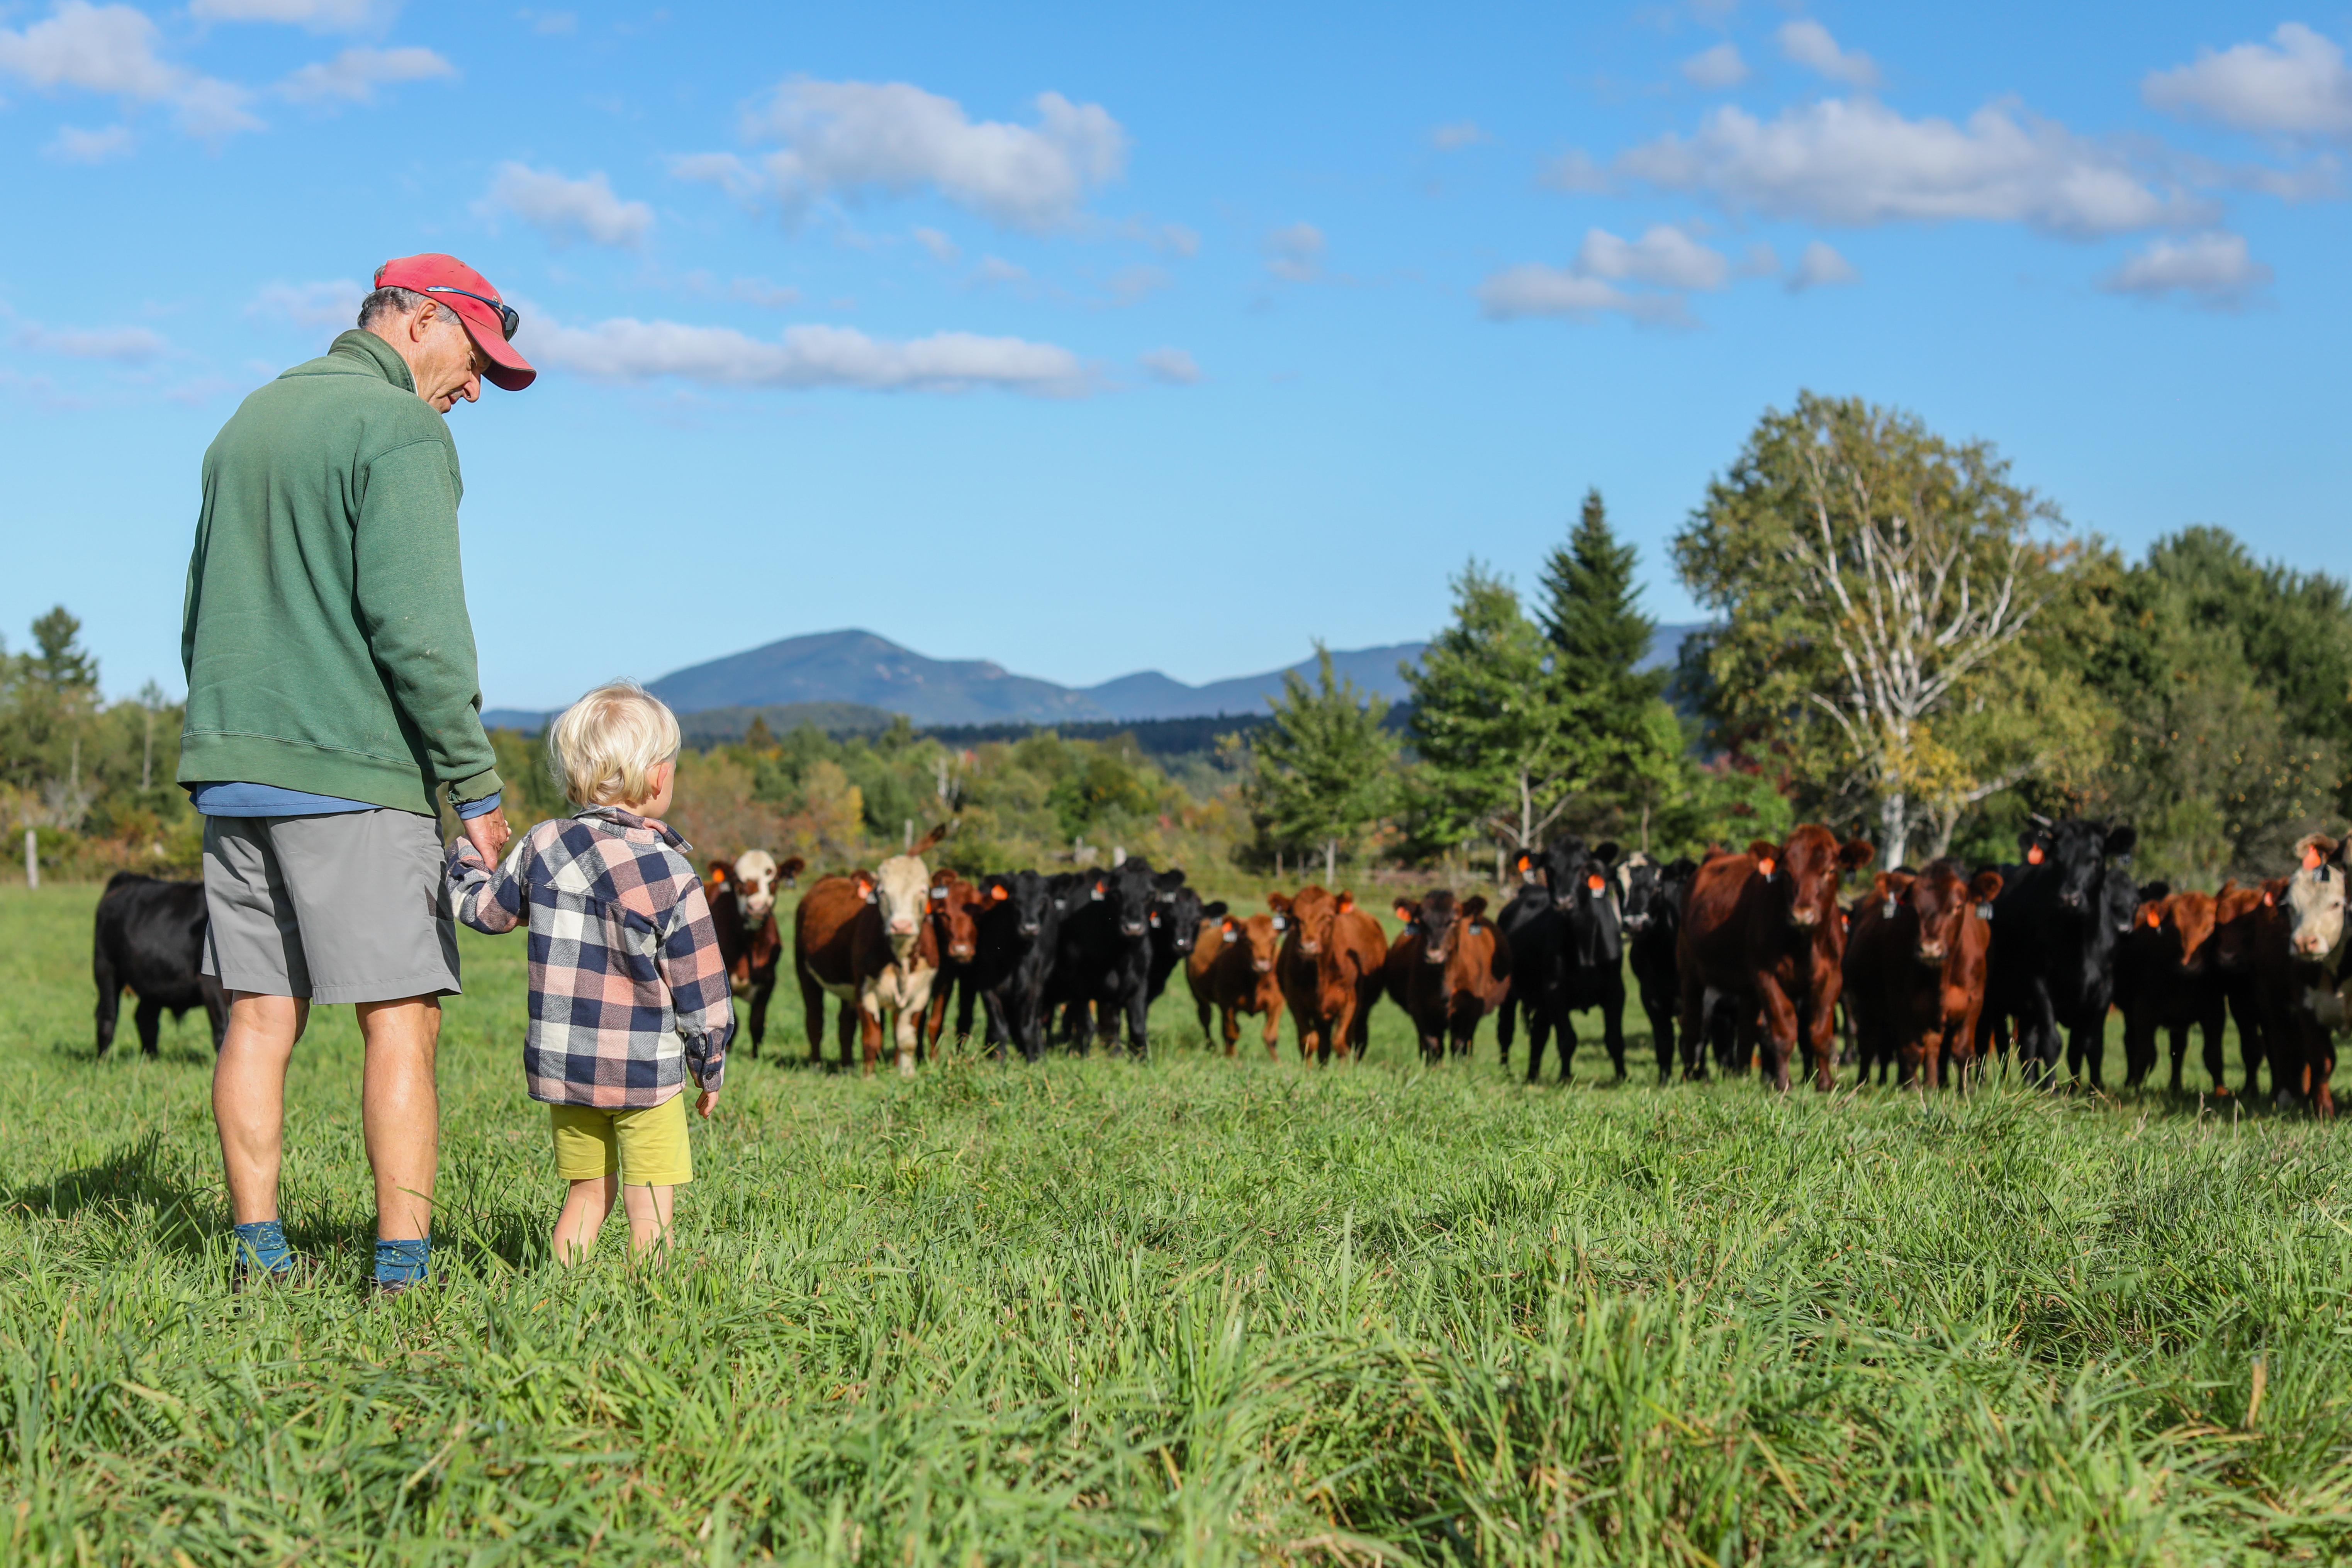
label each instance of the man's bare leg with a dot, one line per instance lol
(401, 1111)
(249, 1098)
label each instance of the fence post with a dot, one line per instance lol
(32, 858)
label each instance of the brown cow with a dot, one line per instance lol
(955, 912)
(2242, 922)
(867, 937)
(1230, 969)
(2174, 986)
(1449, 968)
(742, 895)
(1926, 983)
(1329, 969)
(1762, 936)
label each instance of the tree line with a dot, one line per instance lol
(1904, 642)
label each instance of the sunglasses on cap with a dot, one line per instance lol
(507, 318)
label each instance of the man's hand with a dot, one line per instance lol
(489, 834)
(706, 1103)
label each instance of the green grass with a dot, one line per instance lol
(1199, 1311)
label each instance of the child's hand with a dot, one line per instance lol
(706, 1103)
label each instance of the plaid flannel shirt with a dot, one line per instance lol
(628, 994)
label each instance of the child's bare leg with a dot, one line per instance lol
(583, 1216)
(649, 1211)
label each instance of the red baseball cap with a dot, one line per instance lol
(490, 320)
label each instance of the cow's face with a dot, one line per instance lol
(903, 889)
(2314, 897)
(755, 881)
(1254, 936)
(2077, 855)
(1313, 911)
(1176, 915)
(1589, 901)
(1127, 891)
(1439, 920)
(1025, 899)
(1641, 891)
(1944, 902)
(1808, 870)
(2120, 900)
(955, 913)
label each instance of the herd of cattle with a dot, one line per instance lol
(1740, 958)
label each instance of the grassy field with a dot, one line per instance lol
(1197, 1311)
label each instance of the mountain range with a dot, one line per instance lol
(853, 669)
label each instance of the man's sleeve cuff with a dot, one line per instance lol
(466, 794)
(483, 808)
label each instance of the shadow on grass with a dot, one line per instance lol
(130, 1178)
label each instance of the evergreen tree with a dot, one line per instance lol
(1326, 768)
(1498, 756)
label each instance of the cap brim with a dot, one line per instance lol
(508, 370)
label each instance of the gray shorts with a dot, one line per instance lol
(346, 908)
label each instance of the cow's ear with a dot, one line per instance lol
(719, 873)
(1473, 905)
(1347, 901)
(2121, 840)
(1767, 855)
(1215, 912)
(2154, 892)
(1985, 887)
(1278, 902)
(865, 886)
(1855, 853)
(790, 870)
(1167, 881)
(1607, 852)
(999, 893)
(941, 875)
(1406, 911)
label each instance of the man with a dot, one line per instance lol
(332, 696)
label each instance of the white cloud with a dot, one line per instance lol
(1575, 172)
(1809, 44)
(1295, 253)
(723, 169)
(312, 15)
(551, 23)
(2213, 267)
(2297, 85)
(1760, 261)
(1857, 163)
(112, 50)
(123, 345)
(564, 210)
(1173, 366)
(1532, 289)
(1715, 68)
(1174, 239)
(1454, 137)
(849, 139)
(996, 269)
(72, 144)
(1132, 283)
(625, 350)
(1820, 267)
(311, 306)
(1665, 255)
(353, 76)
(941, 247)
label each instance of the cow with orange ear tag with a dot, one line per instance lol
(1231, 973)
(1330, 968)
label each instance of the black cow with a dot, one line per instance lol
(1592, 954)
(2053, 944)
(150, 937)
(1103, 958)
(1015, 960)
(1534, 925)
(1175, 918)
(1653, 898)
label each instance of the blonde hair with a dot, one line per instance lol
(604, 748)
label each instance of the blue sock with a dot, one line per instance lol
(262, 1245)
(404, 1262)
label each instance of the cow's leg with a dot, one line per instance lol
(967, 992)
(1230, 1026)
(993, 1010)
(1612, 1031)
(1343, 1025)
(1139, 1023)
(149, 1019)
(1273, 1032)
(1203, 1009)
(761, 992)
(1564, 1041)
(2178, 1036)
(2253, 1043)
(811, 1014)
(1779, 1031)
(1506, 1024)
(869, 1027)
(845, 1022)
(1539, 1037)
(935, 1019)
(110, 1001)
(907, 1026)
(1662, 1036)
(2216, 1066)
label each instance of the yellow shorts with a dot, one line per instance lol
(649, 1147)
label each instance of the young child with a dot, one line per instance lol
(628, 994)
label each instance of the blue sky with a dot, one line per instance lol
(1091, 341)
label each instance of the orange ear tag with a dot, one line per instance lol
(2155, 921)
(1595, 883)
(998, 894)
(2312, 859)
(1764, 867)
(2033, 855)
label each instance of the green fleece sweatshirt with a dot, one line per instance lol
(325, 635)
